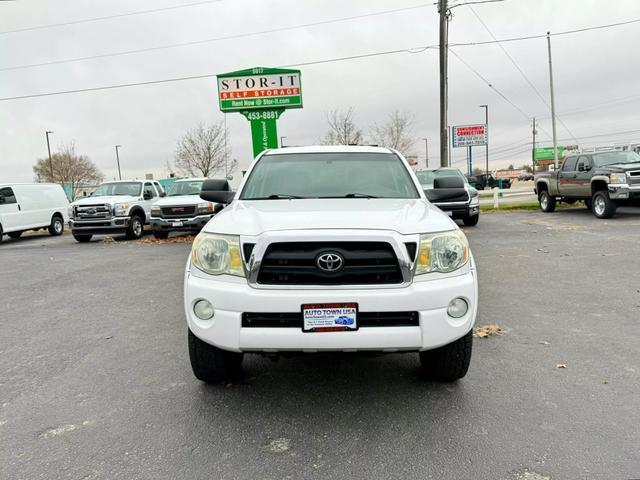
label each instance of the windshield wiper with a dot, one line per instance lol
(359, 195)
(276, 196)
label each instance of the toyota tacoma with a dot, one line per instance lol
(329, 249)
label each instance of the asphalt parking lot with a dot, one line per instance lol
(96, 381)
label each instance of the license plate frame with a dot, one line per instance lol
(325, 321)
(177, 223)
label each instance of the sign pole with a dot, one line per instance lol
(470, 158)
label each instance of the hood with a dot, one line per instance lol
(405, 216)
(621, 167)
(107, 199)
(179, 200)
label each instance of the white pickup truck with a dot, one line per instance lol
(329, 249)
(121, 207)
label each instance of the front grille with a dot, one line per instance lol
(365, 319)
(92, 212)
(178, 211)
(365, 263)
(634, 177)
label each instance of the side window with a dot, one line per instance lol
(7, 196)
(158, 187)
(583, 163)
(149, 190)
(569, 164)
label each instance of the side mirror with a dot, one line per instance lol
(218, 208)
(147, 195)
(217, 191)
(448, 182)
(163, 194)
(581, 167)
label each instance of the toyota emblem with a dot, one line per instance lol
(330, 262)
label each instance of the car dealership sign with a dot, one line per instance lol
(469, 135)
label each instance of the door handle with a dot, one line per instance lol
(19, 207)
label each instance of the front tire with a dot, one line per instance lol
(135, 228)
(603, 206)
(471, 221)
(211, 364)
(14, 235)
(57, 226)
(82, 238)
(160, 235)
(547, 202)
(450, 362)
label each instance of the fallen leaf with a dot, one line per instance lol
(179, 239)
(561, 365)
(485, 331)
(544, 342)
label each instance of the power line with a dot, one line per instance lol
(108, 17)
(544, 35)
(515, 64)
(338, 59)
(209, 75)
(211, 40)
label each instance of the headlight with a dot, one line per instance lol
(155, 211)
(120, 209)
(217, 254)
(205, 208)
(70, 211)
(618, 178)
(442, 252)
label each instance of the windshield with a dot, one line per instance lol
(329, 175)
(608, 158)
(185, 188)
(425, 177)
(119, 188)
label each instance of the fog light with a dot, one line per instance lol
(203, 309)
(457, 307)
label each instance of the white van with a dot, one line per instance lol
(30, 206)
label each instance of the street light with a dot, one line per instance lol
(118, 160)
(426, 152)
(49, 150)
(486, 126)
(282, 141)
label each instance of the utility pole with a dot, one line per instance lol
(533, 150)
(553, 105)
(118, 160)
(49, 150)
(426, 152)
(449, 129)
(443, 10)
(486, 126)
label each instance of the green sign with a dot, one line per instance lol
(546, 153)
(259, 88)
(261, 95)
(264, 132)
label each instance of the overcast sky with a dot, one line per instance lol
(596, 74)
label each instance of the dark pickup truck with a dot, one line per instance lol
(603, 181)
(484, 181)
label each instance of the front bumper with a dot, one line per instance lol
(231, 296)
(623, 191)
(193, 224)
(97, 227)
(459, 211)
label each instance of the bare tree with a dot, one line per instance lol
(202, 151)
(68, 168)
(342, 129)
(396, 133)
